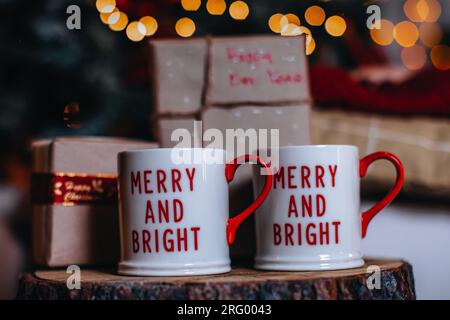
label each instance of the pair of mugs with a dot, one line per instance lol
(174, 217)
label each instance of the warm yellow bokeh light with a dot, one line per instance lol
(315, 15)
(289, 18)
(136, 31)
(422, 10)
(191, 5)
(406, 33)
(305, 30)
(216, 7)
(335, 26)
(104, 17)
(385, 35)
(440, 56)
(410, 8)
(434, 10)
(414, 58)
(275, 22)
(114, 17)
(185, 27)
(118, 21)
(290, 30)
(150, 23)
(105, 6)
(239, 10)
(310, 45)
(430, 34)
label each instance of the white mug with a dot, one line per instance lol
(174, 211)
(311, 219)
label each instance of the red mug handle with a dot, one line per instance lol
(364, 164)
(230, 170)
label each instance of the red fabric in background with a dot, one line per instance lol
(427, 92)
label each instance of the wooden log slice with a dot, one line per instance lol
(395, 282)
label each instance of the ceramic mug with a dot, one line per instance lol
(311, 220)
(174, 211)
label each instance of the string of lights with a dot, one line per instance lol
(420, 35)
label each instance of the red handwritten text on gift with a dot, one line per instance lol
(256, 59)
(307, 211)
(164, 214)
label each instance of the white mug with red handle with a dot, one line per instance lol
(311, 220)
(174, 211)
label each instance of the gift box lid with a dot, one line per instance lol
(88, 155)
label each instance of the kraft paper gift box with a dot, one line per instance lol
(256, 82)
(74, 193)
(166, 134)
(422, 144)
(191, 76)
(258, 70)
(177, 71)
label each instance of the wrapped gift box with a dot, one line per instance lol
(74, 193)
(423, 145)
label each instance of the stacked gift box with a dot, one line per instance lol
(74, 194)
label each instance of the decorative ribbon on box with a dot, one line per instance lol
(69, 189)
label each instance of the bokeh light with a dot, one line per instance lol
(114, 17)
(216, 7)
(150, 23)
(290, 29)
(275, 22)
(136, 31)
(414, 58)
(440, 57)
(185, 27)
(410, 7)
(104, 16)
(430, 34)
(191, 5)
(72, 115)
(118, 21)
(422, 10)
(289, 18)
(315, 15)
(305, 30)
(434, 10)
(239, 10)
(105, 6)
(406, 33)
(335, 26)
(385, 35)
(310, 45)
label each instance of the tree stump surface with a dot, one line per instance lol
(396, 281)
